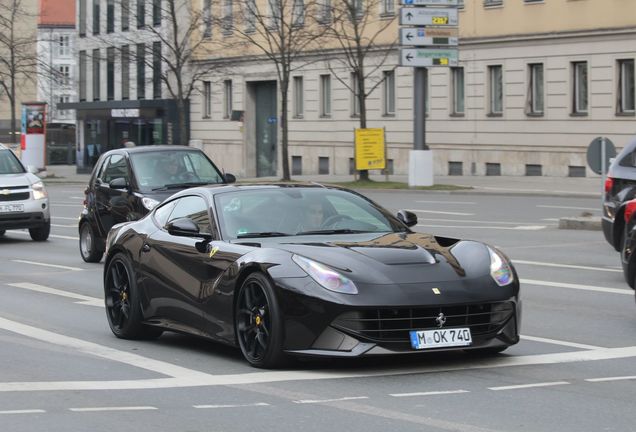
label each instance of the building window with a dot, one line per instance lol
(156, 12)
(228, 18)
(82, 18)
(125, 15)
(95, 17)
(125, 72)
(535, 89)
(355, 92)
(141, 13)
(207, 99)
(96, 75)
(275, 13)
(141, 71)
(298, 18)
(64, 74)
(82, 76)
(325, 95)
(110, 73)
(250, 15)
(388, 7)
(457, 89)
(207, 18)
(389, 92)
(579, 88)
(460, 4)
(325, 11)
(626, 86)
(110, 16)
(298, 97)
(64, 46)
(227, 99)
(156, 70)
(63, 99)
(493, 2)
(495, 90)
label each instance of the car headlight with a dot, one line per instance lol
(39, 191)
(325, 276)
(149, 203)
(500, 270)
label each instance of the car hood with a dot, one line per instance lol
(395, 257)
(20, 179)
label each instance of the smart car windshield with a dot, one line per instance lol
(299, 211)
(173, 169)
(9, 164)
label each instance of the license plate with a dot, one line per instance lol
(440, 338)
(11, 208)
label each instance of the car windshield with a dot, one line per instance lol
(285, 212)
(9, 164)
(173, 169)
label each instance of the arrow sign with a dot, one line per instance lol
(430, 2)
(429, 36)
(426, 57)
(428, 16)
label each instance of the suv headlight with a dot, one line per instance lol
(500, 270)
(325, 276)
(39, 191)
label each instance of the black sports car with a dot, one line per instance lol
(305, 270)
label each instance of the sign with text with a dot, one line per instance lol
(428, 16)
(425, 57)
(429, 36)
(369, 149)
(124, 112)
(429, 2)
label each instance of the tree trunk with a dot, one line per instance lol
(182, 123)
(364, 174)
(284, 90)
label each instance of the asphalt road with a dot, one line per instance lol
(574, 370)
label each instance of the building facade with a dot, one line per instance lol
(536, 82)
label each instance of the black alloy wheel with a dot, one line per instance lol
(41, 233)
(123, 309)
(89, 244)
(258, 323)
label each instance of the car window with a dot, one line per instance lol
(115, 167)
(358, 210)
(9, 163)
(162, 213)
(195, 208)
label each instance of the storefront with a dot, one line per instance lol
(103, 126)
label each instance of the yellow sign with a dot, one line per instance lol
(369, 145)
(440, 20)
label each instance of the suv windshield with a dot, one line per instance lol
(9, 164)
(173, 169)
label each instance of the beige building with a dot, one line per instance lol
(536, 82)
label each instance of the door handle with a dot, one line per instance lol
(145, 247)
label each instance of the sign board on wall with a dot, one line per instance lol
(369, 149)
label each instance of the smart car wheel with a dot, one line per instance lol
(123, 309)
(41, 233)
(88, 244)
(258, 323)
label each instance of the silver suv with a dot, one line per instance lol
(24, 202)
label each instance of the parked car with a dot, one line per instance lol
(305, 270)
(620, 187)
(24, 202)
(628, 257)
(129, 182)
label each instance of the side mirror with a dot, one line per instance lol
(407, 218)
(32, 169)
(118, 183)
(229, 178)
(183, 227)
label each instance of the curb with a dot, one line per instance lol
(580, 223)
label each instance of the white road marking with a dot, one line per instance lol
(67, 205)
(562, 343)
(31, 411)
(521, 227)
(77, 197)
(123, 408)
(431, 393)
(625, 291)
(525, 386)
(63, 267)
(50, 235)
(65, 218)
(441, 212)
(84, 300)
(568, 266)
(569, 208)
(318, 401)
(477, 221)
(258, 404)
(446, 202)
(608, 379)
(550, 219)
(64, 226)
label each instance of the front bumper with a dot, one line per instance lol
(36, 213)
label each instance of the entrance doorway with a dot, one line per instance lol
(266, 128)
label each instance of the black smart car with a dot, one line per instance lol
(620, 187)
(129, 182)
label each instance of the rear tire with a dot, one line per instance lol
(90, 249)
(41, 233)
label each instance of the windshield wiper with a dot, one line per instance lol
(179, 185)
(332, 231)
(262, 234)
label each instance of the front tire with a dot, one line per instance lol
(89, 247)
(123, 308)
(41, 233)
(258, 323)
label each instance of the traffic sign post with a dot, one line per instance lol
(428, 16)
(420, 36)
(424, 57)
(599, 154)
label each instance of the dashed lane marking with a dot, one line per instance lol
(567, 266)
(431, 393)
(122, 408)
(319, 401)
(626, 291)
(516, 228)
(525, 386)
(41, 264)
(441, 212)
(257, 404)
(447, 202)
(562, 343)
(610, 379)
(83, 300)
(26, 411)
(569, 208)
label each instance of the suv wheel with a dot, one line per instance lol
(89, 244)
(41, 233)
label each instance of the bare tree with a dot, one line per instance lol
(364, 39)
(285, 32)
(18, 56)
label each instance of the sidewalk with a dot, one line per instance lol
(582, 187)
